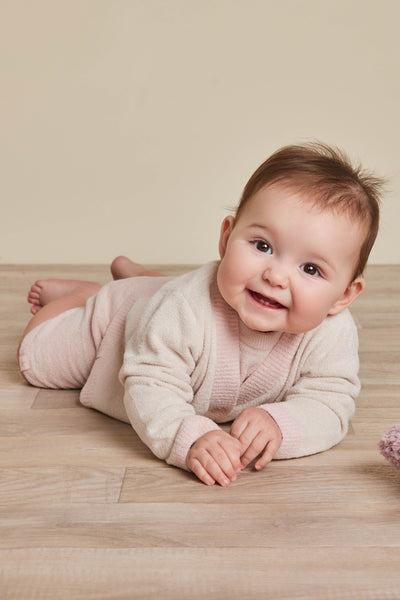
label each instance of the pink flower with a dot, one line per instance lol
(389, 445)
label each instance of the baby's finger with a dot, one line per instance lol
(238, 426)
(268, 454)
(215, 471)
(247, 433)
(250, 443)
(225, 464)
(200, 472)
(233, 450)
(207, 469)
(254, 449)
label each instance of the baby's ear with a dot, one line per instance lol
(353, 290)
(226, 230)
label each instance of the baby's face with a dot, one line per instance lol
(285, 264)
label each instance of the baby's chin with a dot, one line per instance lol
(257, 326)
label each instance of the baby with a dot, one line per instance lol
(261, 338)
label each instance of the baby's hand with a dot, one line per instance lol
(258, 433)
(215, 457)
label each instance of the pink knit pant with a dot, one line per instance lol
(60, 352)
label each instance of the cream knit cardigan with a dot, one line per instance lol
(181, 372)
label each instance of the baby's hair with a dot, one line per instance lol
(329, 180)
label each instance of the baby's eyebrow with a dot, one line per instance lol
(257, 226)
(323, 261)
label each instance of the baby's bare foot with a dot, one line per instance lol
(123, 267)
(44, 291)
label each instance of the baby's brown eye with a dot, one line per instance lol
(310, 269)
(262, 246)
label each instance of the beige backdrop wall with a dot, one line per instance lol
(129, 126)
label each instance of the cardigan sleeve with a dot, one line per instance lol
(163, 346)
(315, 412)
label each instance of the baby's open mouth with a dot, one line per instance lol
(265, 301)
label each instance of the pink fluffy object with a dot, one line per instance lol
(389, 445)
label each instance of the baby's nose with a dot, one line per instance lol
(276, 275)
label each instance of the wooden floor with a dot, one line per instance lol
(87, 512)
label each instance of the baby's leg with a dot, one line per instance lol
(63, 339)
(59, 344)
(44, 291)
(123, 267)
(55, 296)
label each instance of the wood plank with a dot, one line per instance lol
(382, 367)
(377, 481)
(58, 484)
(119, 449)
(153, 524)
(76, 420)
(95, 448)
(215, 574)
(56, 399)
(14, 398)
(382, 394)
